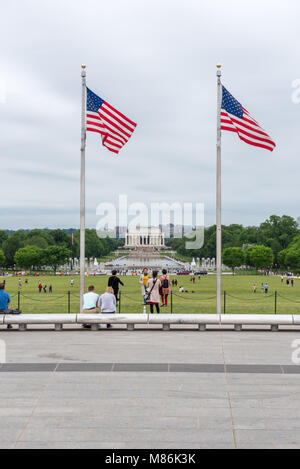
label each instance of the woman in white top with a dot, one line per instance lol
(108, 303)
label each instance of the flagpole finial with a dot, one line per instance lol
(83, 67)
(219, 65)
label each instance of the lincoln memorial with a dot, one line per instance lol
(145, 237)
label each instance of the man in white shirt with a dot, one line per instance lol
(108, 303)
(90, 303)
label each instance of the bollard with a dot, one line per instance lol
(224, 302)
(69, 302)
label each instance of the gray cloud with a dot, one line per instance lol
(155, 61)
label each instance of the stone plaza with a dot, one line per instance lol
(149, 389)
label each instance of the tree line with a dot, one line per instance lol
(275, 243)
(26, 248)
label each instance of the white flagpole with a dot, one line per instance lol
(219, 199)
(82, 186)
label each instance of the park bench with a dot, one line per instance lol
(147, 320)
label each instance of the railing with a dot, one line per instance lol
(193, 302)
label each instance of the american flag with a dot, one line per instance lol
(235, 118)
(115, 128)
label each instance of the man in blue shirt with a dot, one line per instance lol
(4, 302)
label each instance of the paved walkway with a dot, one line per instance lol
(149, 389)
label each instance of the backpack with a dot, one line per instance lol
(165, 283)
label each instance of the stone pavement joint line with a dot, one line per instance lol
(217, 368)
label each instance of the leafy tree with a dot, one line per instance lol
(38, 241)
(29, 256)
(3, 237)
(260, 256)
(11, 245)
(292, 258)
(2, 258)
(61, 238)
(37, 234)
(281, 258)
(55, 256)
(233, 257)
(277, 232)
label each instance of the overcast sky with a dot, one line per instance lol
(155, 61)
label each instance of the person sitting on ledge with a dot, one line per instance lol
(90, 303)
(4, 302)
(108, 303)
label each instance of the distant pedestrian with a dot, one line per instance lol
(50, 288)
(292, 282)
(40, 287)
(45, 289)
(72, 282)
(153, 286)
(281, 278)
(266, 288)
(288, 281)
(254, 288)
(20, 283)
(144, 277)
(114, 282)
(262, 288)
(165, 288)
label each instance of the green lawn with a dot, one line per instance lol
(201, 296)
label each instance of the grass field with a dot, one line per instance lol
(201, 296)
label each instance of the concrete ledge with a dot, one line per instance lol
(184, 319)
(112, 318)
(166, 320)
(40, 319)
(258, 319)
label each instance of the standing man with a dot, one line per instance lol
(143, 281)
(114, 282)
(4, 302)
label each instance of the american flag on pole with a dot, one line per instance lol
(115, 128)
(235, 118)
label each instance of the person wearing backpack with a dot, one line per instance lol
(152, 295)
(165, 288)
